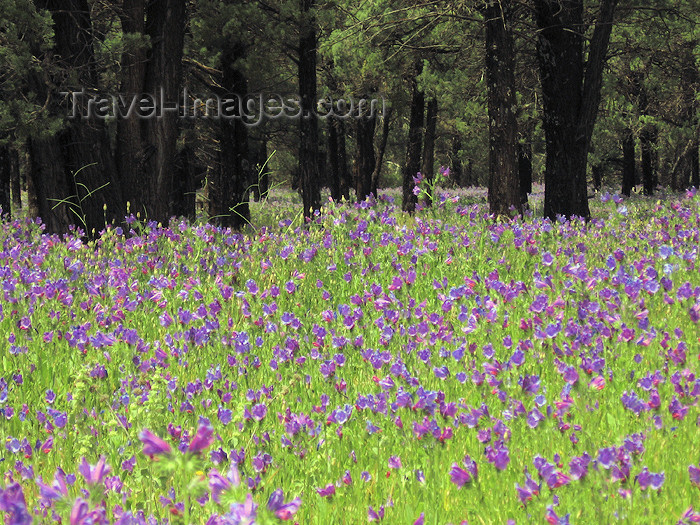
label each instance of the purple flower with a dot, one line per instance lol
(471, 466)
(459, 476)
(420, 520)
(94, 474)
(259, 411)
(202, 439)
(377, 515)
(694, 473)
(395, 462)
(648, 479)
(12, 502)
(553, 519)
(219, 484)
(327, 491)
(82, 515)
(152, 444)
(242, 513)
(282, 510)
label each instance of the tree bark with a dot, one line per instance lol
(628, 163)
(148, 146)
(185, 182)
(381, 149)
(130, 132)
(364, 159)
(456, 164)
(333, 159)
(260, 171)
(525, 171)
(5, 178)
(48, 185)
(647, 142)
(93, 183)
(504, 183)
(597, 172)
(15, 183)
(571, 95)
(413, 150)
(308, 125)
(428, 168)
(228, 192)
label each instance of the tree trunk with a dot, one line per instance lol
(148, 146)
(364, 160)
(525, 171)
(504, 182)
(456, 163)
(386, 121)
(228, 193)
(5, 178)
(333, 159)
(94, 186)
(48, 185)
(647, 141)
(15, 179)
(597, 172)
(628, 163)
(428, 168)
(185, 183)
(130, 155)
(343, 171)
(308, 126)
(690, 78)
(571, 95)
(413, 150)
(259, 170)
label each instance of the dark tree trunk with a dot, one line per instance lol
(185, 183)
(386, 122)
(94, 186)
(428, 168)
(413, 150)
(259, 169)
(5, 178)
(471, 179)
(597, 172)
(647, 141)
(456, 163)
(228, 192)
(690, 78)
(15, 179)
(343, 171)
(628, 163)
(364, 159)
(165, 24)
(571, 95)
(130, 132)
(525, 171)
(48, 185)
(308, 125)
(148, 146)
(333, 159)
(504, 182)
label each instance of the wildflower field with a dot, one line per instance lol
(367, 366)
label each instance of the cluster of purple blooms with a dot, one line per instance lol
(377, 344)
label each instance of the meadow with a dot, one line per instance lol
(368, 366)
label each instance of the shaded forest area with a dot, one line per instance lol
(570, 93)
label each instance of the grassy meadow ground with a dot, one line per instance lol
(368, 366)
